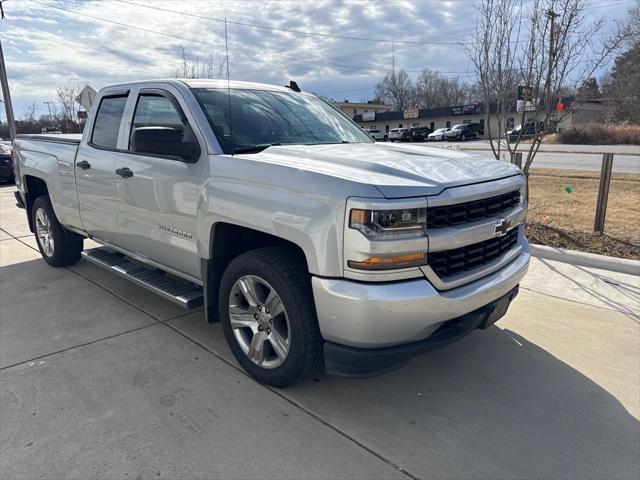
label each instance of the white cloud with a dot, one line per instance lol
(46, 47)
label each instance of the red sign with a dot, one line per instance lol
(560, 107)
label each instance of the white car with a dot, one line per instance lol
(377, 134)
(438, 135)
(395, 134)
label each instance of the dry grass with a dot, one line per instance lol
(598, 134)
(564, 219)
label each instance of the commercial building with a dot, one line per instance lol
(573, 112)
(351, 109)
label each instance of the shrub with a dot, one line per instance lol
(597, 134)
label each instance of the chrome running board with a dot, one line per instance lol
(183, 293)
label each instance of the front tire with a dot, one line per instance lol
(268, 316)
(58, 247)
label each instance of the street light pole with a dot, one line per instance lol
(50, 114)
(7, 96)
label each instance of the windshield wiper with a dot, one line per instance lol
(253, 148)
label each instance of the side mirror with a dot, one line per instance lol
(164, 141)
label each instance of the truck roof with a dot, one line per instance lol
(210, 83)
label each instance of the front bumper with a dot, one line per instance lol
(353, 362)
(385, 314)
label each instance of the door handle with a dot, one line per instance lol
(124, 172)
(84, 165)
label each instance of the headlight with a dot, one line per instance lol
(388, 239)
(400, 224)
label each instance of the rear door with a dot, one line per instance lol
(95, 166)
(157, 200)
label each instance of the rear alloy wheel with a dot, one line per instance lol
(463, 138)
(268, 316)
(58, 246)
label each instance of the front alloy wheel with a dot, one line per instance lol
(268, 315)
(259, 321)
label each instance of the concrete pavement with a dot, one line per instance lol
(100, 379)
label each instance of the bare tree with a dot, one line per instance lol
(200, 67)
(68, 109)
(397, 90)
(495, 60)
(547, 47)
(435, 90)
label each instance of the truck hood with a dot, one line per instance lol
(397, 171)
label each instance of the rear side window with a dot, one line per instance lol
(107, 124)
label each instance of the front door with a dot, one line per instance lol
(158, 195)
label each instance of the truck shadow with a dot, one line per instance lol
(491, 406)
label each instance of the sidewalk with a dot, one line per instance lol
(101, 379)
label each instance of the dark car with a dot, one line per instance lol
(6, 164)
(528, 131)
(465, 131)
(419, 134)
(405, 136)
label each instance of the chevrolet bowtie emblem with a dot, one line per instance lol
(501, 227)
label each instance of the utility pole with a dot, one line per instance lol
(50, 114)
(5, 88)
(552, 17)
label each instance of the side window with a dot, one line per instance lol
(107, 124)
(154, 110)
(159, 128)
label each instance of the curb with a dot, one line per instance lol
(614, 264)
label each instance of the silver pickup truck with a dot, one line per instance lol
(316, 247)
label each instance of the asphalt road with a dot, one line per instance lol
(101, 379)
(589, 157)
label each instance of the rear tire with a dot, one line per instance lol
(278, 343)
(58, 247)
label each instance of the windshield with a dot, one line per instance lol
(263, 118)
(458, 127)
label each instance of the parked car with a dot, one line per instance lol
(377, 134)
(316, 247)
(465, 131)
(528, 131)
(438, 135)
(406, 135)
(51, 130)
(419, 134)
(395, 134)
(6, 164)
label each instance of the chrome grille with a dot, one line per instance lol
(451, 262)
(449, 215)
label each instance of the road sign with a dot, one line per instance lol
(86, 97)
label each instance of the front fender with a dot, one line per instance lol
(305, 208)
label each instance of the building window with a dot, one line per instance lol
(399, 125)
(386, 128)
(432, 126)
(482, 121)
(355, 111)
(365, 110)
(448, 124)
(510, 122)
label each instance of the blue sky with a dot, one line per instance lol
(51, 43)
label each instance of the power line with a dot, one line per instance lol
(286, 30)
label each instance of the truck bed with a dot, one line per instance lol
(73, 138)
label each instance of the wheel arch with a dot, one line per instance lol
(226, 242)
(34, 187)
